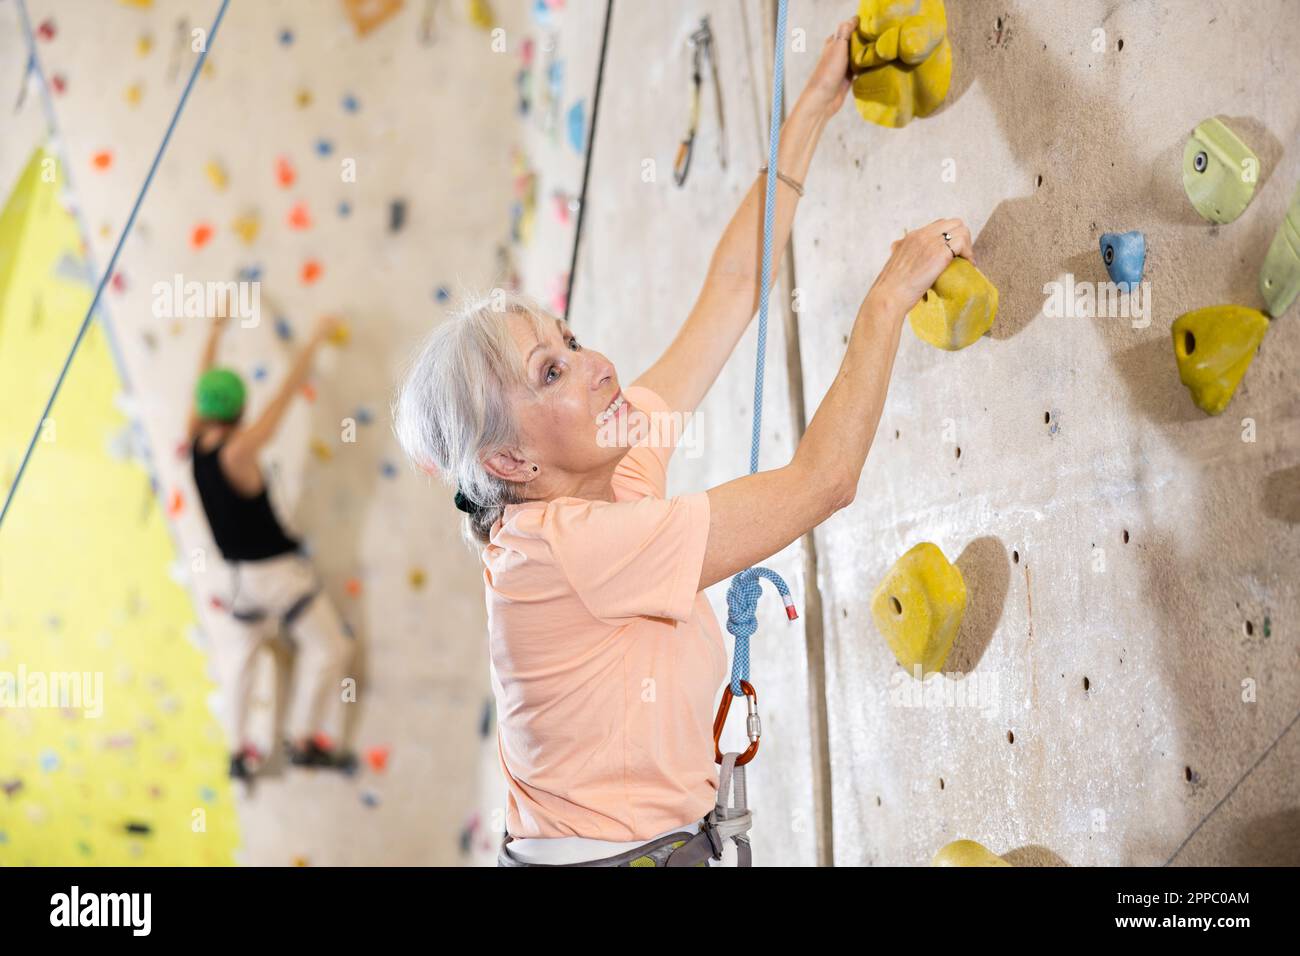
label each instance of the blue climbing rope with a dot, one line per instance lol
(33, 64)
(743, 594)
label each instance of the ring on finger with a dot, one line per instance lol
(946, 242)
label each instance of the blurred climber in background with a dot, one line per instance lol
(274, 589)
(593, 577)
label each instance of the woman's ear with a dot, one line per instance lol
(506, 466)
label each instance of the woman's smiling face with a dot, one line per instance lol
(572, 391)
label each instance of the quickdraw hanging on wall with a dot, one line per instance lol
(701, 44)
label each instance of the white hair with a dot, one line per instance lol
(452, 409)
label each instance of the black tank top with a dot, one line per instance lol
(245, 528)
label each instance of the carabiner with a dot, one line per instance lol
(753, 726)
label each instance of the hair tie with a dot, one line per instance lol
(467, 505)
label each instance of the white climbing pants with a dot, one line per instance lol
(281, 597)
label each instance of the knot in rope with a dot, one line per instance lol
(742, 619)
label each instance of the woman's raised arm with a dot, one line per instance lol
(752, 518)
(730, 294)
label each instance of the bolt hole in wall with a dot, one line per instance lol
(1011, 737)
(1125, 536)
(1015, 557)
(1250, 628)
(1119, 47)
(1047, 418)
(1039, 181)
(1087, 685)
(958, 454)
(898, 608)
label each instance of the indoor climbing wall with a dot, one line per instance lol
(357, 167)
(1124, 679)
(109, 753)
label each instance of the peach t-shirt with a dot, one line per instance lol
(606, 660)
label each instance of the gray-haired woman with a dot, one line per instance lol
(606, 657)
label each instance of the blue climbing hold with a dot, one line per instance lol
(350, 103)
(578, 125)
(286, 37)
(250, 273)
(345, 209)
(364, 416)
(324, 147)
(1124, 255)
(442, 294)
(282, 328)
(259, 373)
(388, 469)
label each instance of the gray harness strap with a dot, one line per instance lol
(730, 819)
(252, 615)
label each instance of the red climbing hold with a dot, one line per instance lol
(284, 172)
(377, 757)
(311, 271)
(200, 235)
(299, 217)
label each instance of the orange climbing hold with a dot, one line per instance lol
(366, 15)
(102, 160)
(311, 271)
(377, 757)
(200, 235)
(285, 174)
(299, 216)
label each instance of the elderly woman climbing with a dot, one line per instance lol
(606, 657)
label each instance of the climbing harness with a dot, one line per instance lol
(701, 44)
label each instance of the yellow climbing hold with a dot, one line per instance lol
(416, 578)
(322, 451)
(143, 45)
(918, 607)
(216, 174)
(246, 227)
(303, 98)
(480, 14)
(901, 59)
(340, 334)
(967, 853)
(958, 309)
(1214, 347)
(134, 93)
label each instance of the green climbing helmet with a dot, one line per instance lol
(219, 395)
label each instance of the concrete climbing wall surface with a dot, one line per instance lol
(1128, 657)
(253, 186)
(645, 250)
